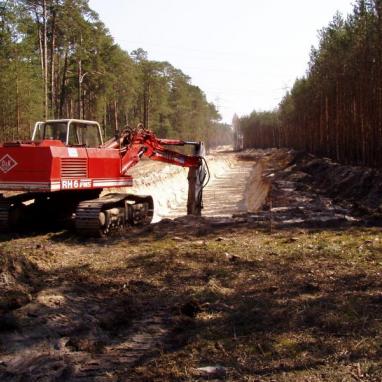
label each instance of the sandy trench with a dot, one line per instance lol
(230, 190)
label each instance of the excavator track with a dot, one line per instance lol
(87, 218)
(141, 210)
(112, 213)
(36, 210)
(11, 215)
(4, 215)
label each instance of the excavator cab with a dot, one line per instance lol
(70, 132)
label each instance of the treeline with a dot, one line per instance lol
(57, 60)
(261, 129)
(336, 109)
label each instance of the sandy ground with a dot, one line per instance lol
(226, 193)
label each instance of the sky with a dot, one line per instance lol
(244, 54)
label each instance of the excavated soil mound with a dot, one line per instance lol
(300, 189)
(360, 186)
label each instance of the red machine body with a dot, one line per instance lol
(53, 165)
(68, 157)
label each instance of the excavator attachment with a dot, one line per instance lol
(196, 182)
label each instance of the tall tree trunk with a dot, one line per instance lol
(80, 78)
(104, 118)
(40, 42)
(52, 74)
(17, 103)
(45, 54)
(79, 112)
(116, 115)
(63, 84)
(146, 102)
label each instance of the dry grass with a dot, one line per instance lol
(289, 306)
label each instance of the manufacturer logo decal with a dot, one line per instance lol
(7, 163)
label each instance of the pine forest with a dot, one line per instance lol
(335, 110)
(58, 60)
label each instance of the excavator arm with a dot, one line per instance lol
(136, 143)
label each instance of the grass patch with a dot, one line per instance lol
(294, 305)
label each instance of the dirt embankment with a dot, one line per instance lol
(313, 192)
(361, 187)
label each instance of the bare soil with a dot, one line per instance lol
(280, 281)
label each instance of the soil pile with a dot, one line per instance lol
(315, 192)
(360, 186)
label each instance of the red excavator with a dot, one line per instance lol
(60, 174)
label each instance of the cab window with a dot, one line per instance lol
(84, 135)
(55, 131)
